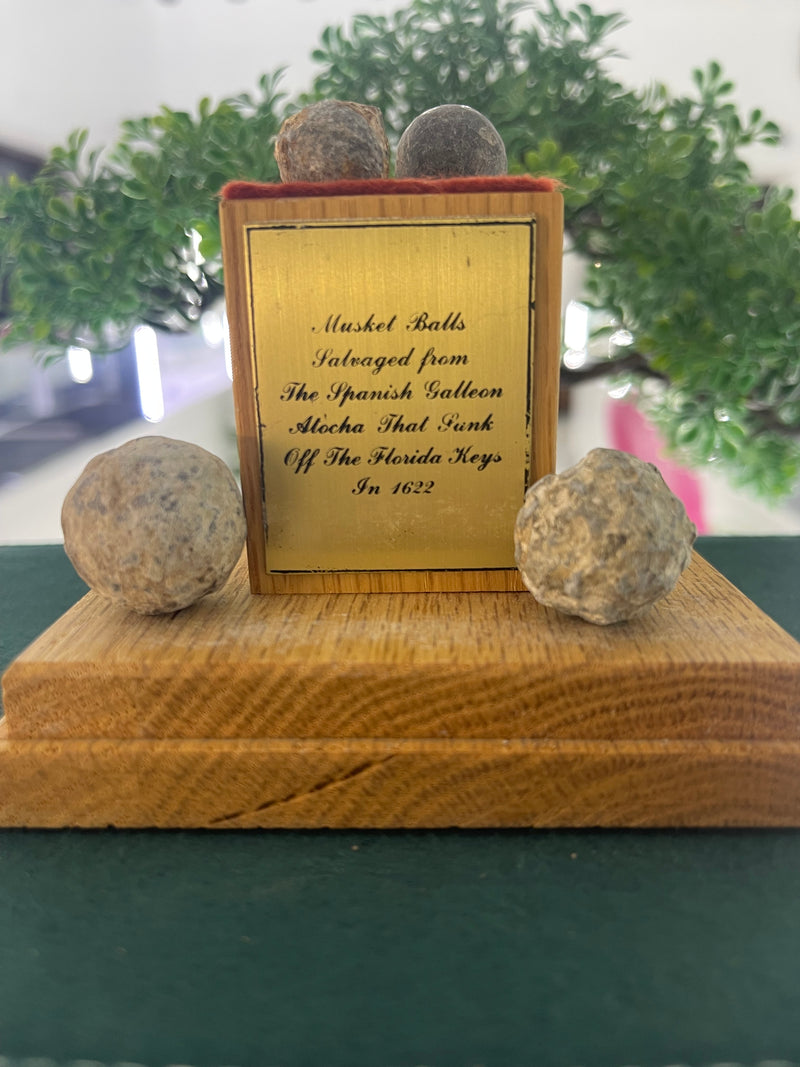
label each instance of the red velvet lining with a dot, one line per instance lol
(501, 183)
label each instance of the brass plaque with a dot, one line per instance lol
(391, 363)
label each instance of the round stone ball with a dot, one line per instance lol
(450, 141)
(604, 540)
(154, 525)
(332, 140)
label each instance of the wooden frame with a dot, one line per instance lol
(239, 214)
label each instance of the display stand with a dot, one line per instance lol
(381, 668)
(405, 710)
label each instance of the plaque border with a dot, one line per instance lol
(527, 222)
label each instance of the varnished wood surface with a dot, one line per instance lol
(235, 214)
(398, 784)
(405, 710)
(703, 663)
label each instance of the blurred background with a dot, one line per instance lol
(94, 63)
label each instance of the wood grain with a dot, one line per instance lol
(235, 214)
(398, 784)
(405, 710)
(703, 663)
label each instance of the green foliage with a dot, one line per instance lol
(96, 244)
(683, 250)
(534, 82)
(684, 253)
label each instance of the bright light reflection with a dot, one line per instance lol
(621, 338)
(148, 370)
(212, 328)
(574, 358)
(195, 238)
(620, 392)
(79, 362)
(576, 325)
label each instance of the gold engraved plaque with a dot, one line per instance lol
(392, 384)
(395, 378)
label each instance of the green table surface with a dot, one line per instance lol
(553, 949)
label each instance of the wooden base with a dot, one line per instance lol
(405, 710)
